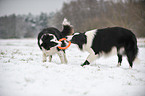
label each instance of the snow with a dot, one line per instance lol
(22, 73)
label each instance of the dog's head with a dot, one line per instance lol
(78, 38)
(49, 41)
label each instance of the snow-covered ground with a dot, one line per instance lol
(22, 73)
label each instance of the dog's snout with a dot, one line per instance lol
(69, 38)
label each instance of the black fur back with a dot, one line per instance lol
(115, 36)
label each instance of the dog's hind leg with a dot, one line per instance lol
(119, 60)
(50, 58)
(120, 53)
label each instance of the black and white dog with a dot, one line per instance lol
(100, 42)
(48, 41)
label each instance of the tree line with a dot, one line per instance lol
(90, 14)
(84, 15)
(23, 26)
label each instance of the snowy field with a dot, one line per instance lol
(22, 73)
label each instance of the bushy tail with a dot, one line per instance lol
(134, 48)
(131, 49)
(67, 28)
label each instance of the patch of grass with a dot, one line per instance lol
(27, 60)
(22, 60)
(30, 59)
(85, 93)
(129, 83)
(31, 53)
(9, 44)
(16, 52)
(8, 61)
(12, 57)
(2, 53)
(141, 46)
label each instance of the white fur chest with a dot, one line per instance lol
(52, 51)
(90, 36)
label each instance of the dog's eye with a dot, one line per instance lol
(41, 44)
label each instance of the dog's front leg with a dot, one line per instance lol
(65, 59)
(90, 59)
(50, 58)
(44, 57)
(61, 56)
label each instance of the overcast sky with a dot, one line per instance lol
(33, 6)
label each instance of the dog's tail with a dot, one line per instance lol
(131, 49)
(67, 28)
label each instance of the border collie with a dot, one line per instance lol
(48, 41)
(100, 42)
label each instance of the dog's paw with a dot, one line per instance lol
(118, 65)
(44, 61)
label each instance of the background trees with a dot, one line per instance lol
(83, 14)
(90, 14)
